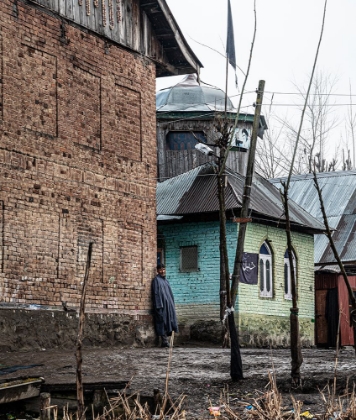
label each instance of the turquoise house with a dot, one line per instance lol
(188, 243)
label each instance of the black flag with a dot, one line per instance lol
(230, 43)
(249, 268)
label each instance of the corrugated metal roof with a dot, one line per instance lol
(196, 192)
(339, 196)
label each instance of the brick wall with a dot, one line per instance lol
(263, 321)
(77, 164)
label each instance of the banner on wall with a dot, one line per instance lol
(249, 268)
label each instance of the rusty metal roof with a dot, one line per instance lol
(339, 196)
(195, 192)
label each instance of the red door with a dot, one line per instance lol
(321, 325)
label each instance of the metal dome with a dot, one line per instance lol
(189, 96)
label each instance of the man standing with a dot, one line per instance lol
(163, 306)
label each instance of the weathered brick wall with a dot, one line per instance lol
(77, 164)
(262, 321)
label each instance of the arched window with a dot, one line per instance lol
(287, 275)
(266, 277)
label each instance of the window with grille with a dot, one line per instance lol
(288, 276)
(189, 258)
(265, 269)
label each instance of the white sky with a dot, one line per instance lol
(287, 37)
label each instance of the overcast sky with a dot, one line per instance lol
(287, 37)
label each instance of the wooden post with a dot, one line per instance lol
(80, 392)
(247, 193)
(236, 372)
(45, 403)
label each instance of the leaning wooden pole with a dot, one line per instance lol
(236, 372)
(246, 198)
(78, 354)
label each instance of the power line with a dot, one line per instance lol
(311, 94)
(300, 105)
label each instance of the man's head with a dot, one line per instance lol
(161, 269)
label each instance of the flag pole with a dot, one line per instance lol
(226, 80)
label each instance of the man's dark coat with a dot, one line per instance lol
(163, 307)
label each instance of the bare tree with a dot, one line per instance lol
(296, 352)
(271, 150)
(319, 121)
(350, 136)
(236, 371)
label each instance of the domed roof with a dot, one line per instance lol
(189, 95)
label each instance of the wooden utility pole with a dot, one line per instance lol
(247, 193)
(236, 372)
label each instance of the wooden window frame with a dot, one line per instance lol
(264, 261)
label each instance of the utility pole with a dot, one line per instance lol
(247, 192)
(236, 372)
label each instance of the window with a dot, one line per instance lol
(287, 275)
(189, 258)
(266, 276)
(184, 140)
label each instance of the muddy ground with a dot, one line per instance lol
(199, 372)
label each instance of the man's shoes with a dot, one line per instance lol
(165, 344)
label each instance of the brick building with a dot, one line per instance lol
(78, 164)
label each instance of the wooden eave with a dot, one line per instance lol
(179, 54)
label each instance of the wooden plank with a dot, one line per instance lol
(98, 17)
(128, 19)
(346, 328)
(54, 5)
(62, 7)
(321, 325)
(135, 25)
(105, 21)
(242, 219)
(146, 35)
(69, 13)
(19, 389)
(77, 11)
(122, 26)
(114, 28)
(90, 20)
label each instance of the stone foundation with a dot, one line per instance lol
(25, 329)
(255, 331)
(273, 331)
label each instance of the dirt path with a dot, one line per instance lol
(201, 373)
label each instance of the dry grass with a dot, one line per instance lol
(269, 405)
(128, 407)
